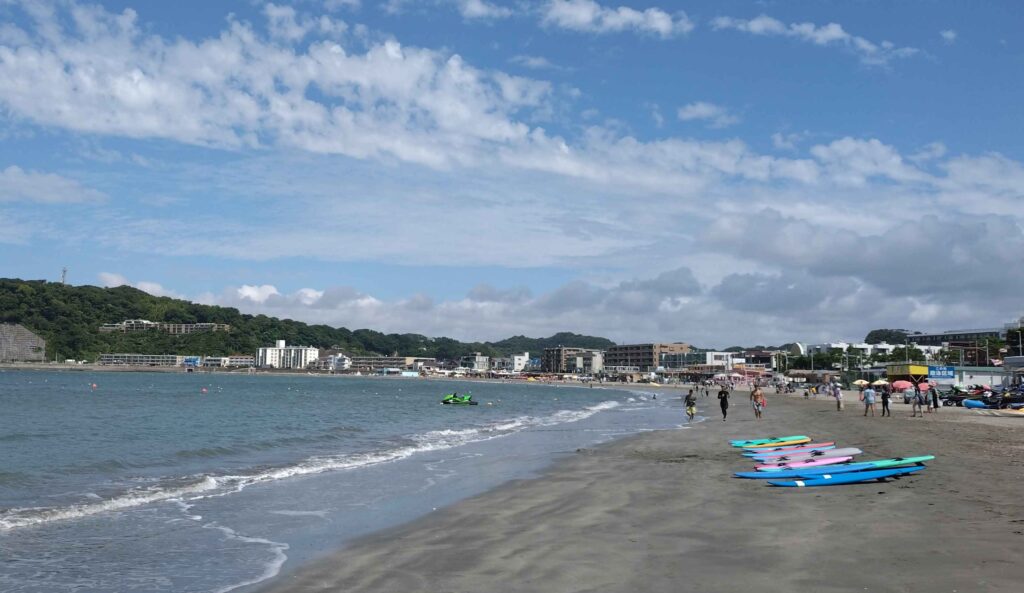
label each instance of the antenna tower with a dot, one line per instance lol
(64, 275)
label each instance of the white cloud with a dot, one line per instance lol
(534, 62)
(591, 17)
(949, 36)
(111, 280)
(257, 294)
(870, 53)
(716, 115)
(479, 9)
(788, 141)
(19, 185)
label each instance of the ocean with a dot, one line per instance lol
(176, 482)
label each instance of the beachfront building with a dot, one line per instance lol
(129, 326)
(333, 362)
(477, 363)
(215, 362)
(556, 360)
(376, 363)
(241, 360)
(511, 364)
(282, 356)
(589, 362)
(646, 357)
(18, 344)
(147, 360)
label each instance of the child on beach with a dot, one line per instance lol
(691, 406)
(723, 400)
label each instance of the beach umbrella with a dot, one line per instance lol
(880, 382)
(902, 384)
(924, 386)
(860, 382)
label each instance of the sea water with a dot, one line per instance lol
(218, 482)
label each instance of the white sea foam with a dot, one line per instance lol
(272, 567)
(209, 486)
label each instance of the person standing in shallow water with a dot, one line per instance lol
(723, 400)
(691, 406)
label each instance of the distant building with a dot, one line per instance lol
(588, 363)
(646, 357)
(513, 364)
(18, 344)
(334, 362)
(376, 363)
(129, 326)
(957, 335)
(241, 360)
(476, 362)
(282, 356)
(146, 360)
(556, 360)
(215, 361)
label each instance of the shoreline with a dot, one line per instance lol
(659, 511)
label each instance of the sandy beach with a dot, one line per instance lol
(662, 512)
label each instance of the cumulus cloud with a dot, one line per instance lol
(19, 185)
(716, 115)
(948, 36)
(591, 17)
(534, 62)
(870, 53)
(111, 280)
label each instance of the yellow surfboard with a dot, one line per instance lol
(779, 444)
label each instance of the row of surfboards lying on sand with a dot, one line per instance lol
(806, 464)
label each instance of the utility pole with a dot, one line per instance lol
(64, 275)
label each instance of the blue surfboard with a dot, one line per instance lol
(847, 478)
(841, 468)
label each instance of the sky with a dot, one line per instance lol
(718, 173)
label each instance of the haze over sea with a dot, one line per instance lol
(147, 484)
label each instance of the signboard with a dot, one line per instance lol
(906, 370)
(941, 372)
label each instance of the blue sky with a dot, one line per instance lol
(712, 172)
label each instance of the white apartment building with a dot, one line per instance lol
(865, 350)
(241, 360)
(215, 361)
(282, 356)
(515, 363)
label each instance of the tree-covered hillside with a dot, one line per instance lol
(68, 318)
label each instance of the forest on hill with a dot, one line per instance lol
(69, 317)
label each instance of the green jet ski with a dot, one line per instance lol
(458, 400)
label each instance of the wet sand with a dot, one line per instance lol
(661, 512)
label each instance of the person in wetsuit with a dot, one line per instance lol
(723, 400)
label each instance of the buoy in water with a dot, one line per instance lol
(203, 390)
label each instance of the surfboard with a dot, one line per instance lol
(778, 443)
(847, 478)
(836, 468)
(793, 451)
(762, 451)
(755, 442)
(799, 464)
(851, 451)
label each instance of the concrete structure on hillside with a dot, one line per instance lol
(18, 344)
(282, 356)
(646, 357)
(867, 350)
(129, 326)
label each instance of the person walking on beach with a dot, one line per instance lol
(757, 401)
(837, 392)
(691, 406)
(885, 404)
(917, 403)
(723, 400)
(868, 397)
(935, 397)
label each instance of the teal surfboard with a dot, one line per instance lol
(847, 478)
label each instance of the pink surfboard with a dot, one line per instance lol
(801, 464)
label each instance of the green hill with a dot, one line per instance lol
(68, 318)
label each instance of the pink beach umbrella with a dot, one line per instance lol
(902, 384)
